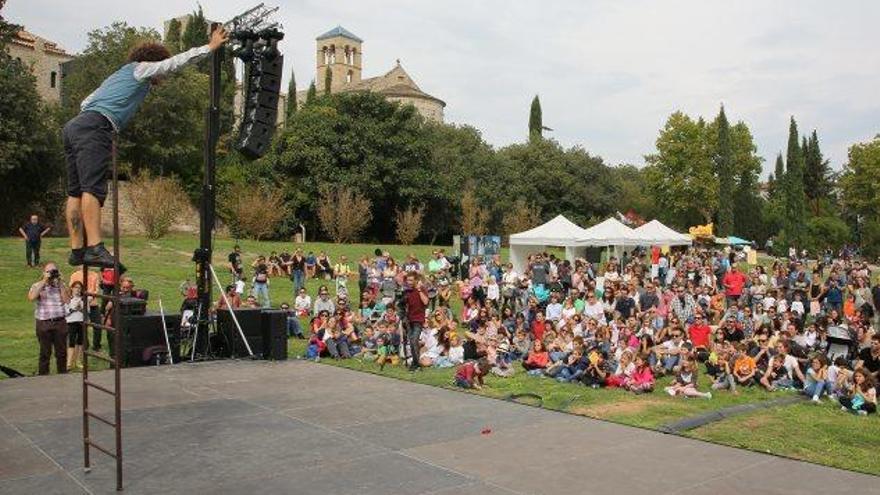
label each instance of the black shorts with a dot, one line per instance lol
(88, 145)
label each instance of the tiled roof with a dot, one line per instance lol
(31, 40)
(339, 31)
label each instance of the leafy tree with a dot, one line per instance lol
(312, 93)
(328, 81)
(409, 224)
(681, 175)
(726, 175)
(474, 216)
(291, 98)
(536, 125)
(817, 174)
(521, 217)
(172, 36)
(776, 181)
(860, 181)
(344, 213)
(794, 188)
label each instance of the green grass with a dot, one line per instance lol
(818, 434)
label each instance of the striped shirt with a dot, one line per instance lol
(48, 305)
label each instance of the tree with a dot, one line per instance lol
(196, 31)
(156, 203)
(521, 217)
(251, 211)
(172, 36)
(536, 125)
(291, 98)
(312, 93)
(794, 189)
(474, 217)
(776, 181)
(817, 174)
(681, 174)
(344, 213)
(409, 224)
(860, 180)
(328, 81)
(725, 172)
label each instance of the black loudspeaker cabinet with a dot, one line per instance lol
(251, 325)
(274, 330)
(142, 332)
(259, 117)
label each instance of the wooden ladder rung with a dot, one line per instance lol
(102, 356)
(100, 418)
(98, 446)
(99, 387)
(101, 327)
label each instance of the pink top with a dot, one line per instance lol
(642, 376)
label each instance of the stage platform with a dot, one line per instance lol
(252, 427)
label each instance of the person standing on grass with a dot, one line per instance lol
(50, 295)
(32, 233)
(416, 299)
(88, 139)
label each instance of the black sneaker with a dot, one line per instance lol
(98, 255)
(76, 257)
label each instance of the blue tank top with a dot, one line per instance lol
(119, 96)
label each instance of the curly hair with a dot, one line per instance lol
(148, 51)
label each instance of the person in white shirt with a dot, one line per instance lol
(303, 303)
(554, 309)
(75, 325)
(593, 309)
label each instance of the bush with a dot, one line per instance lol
(474, 218)
(826, 232)
(520, 218)
(156, 203)
(409, 224)
(252, 212)
(344, 213)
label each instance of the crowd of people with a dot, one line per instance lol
(692, 315)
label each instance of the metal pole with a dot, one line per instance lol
(165, 329)
(231, 311)
(117, 334)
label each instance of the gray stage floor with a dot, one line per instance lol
(304, 428)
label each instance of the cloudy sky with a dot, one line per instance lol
(608, 72)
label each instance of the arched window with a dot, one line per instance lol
(53, 79)
(332, 54)
(349, 76)
(326, 55)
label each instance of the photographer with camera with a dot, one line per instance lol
(49, 296)
(415, 299)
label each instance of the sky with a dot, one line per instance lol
(608, 73)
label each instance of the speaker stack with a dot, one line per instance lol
(265, 331)
(261, 89)
(143, 339)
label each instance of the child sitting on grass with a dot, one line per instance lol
(642, 379)
(471, 373)
(385, 353)
(862, 399)
(724, 377)
(685, 382)
(816, 378)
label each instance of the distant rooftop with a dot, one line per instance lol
(339, 31)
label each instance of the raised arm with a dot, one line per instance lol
(146, 70)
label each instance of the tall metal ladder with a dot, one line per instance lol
(114, 360)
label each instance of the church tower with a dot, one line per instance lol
(340, 51)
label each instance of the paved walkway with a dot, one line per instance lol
(298, 427)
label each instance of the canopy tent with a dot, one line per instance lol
(655, 233)
(557, 232)
(611, 232)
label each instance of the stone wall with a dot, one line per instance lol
(44, 62)
(429, 109)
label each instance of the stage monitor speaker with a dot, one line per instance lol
(251, 323)
(143, 338)
(274, 330)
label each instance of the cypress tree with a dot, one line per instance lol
(172, 36)
(794, 188)
(536, 125)
(312, 93)
(291, 98)
(817, 181)
(725, 173)
(328, 81)
(196, 32)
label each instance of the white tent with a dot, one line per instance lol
(655, 233)
(611, 232)
(557, 232)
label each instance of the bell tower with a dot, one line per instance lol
(338, 50)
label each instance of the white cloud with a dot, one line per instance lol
(608, 73)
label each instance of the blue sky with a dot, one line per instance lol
(609, 73)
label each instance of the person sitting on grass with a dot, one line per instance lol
(816, 378)
(385, 353)
(569, 369)
(642, 379)
(685, 382)
(862, 398)
(595, 375)
(537, 359)
(724, 377)
(776, 376)
(471, 373)
(624, 371)
(744, 367)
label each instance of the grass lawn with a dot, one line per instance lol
(815, 433)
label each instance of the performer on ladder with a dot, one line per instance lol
(88, 139)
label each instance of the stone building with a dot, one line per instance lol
(341, 52)
(45, 58)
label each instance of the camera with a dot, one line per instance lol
(54, 274)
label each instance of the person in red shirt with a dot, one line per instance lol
(733, 281)
(538, 358)
(416, 299)
(539, 326)
(700, 333)
(471, 373)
